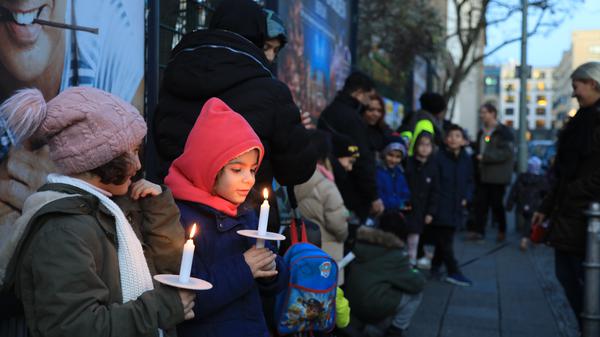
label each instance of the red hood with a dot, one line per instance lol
(219, 135)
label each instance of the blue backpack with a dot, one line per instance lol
(309, 302)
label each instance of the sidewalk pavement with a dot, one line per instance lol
(515, 294)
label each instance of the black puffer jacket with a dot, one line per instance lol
(424, 183)
(223, 64)
(343, 116)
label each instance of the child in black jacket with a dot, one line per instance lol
(422, 177)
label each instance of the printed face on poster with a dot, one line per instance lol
(53, 58)
(317, 58)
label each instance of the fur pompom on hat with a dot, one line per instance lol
(395, 142)
(84, 127)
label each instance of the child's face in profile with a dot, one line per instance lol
(393, 158)
(347, 163)
(455, 140)
(237, 177)
(424, 147)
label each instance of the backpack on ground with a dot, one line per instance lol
(308, 305)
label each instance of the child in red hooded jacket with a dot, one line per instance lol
(210, 182)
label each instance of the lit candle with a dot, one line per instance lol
(187, 258)
(263, 219)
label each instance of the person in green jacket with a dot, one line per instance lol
(383, 289)
(429, 119)
(83, 265)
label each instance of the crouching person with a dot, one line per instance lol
(383, 290)
(80, 265)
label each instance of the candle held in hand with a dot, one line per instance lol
(263, 219)
(187, 258)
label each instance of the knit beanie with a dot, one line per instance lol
(275, 27)
(343, 146)
(432, 102)
(394, 142)
(534, 165)
(84, 127)
(587, 71)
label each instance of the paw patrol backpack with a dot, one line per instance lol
(308, 304)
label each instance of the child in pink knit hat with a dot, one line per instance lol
(79, 243)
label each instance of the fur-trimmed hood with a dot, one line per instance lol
(378, 237)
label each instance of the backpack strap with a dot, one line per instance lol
(296, 218)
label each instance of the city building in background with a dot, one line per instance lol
(585, 47)
(539, 97)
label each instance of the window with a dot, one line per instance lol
(541, 100)
(509, 99)
(540, 124)
(540, 111)
(541, 86)
(538, 74)
(509, 111)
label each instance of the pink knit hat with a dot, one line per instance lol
(84, 127)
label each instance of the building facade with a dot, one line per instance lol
(539, 97)
(585, 47)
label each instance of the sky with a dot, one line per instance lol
(543, 50)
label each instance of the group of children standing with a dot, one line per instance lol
(426, 195)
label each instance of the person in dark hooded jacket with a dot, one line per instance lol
(227, 61)
(343, 116)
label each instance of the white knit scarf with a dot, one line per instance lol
(135, 275)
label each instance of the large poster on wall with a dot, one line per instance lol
(317, 59)
(55, 44)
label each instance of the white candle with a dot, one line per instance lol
(263, 219)
(187, 258)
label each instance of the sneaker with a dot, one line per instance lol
(424, 263)
(459, 280)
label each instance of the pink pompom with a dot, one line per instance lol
(24, 112)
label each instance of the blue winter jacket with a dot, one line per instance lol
(233, 306)
(392, 187)
(456, 185)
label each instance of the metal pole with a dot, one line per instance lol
(152, 78)
(591, 300)
(151, 163)
(523, 108)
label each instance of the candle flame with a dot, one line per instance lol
(193, 231)
(266, 193)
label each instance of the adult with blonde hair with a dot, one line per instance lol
(577, 184)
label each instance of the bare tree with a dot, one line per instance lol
(392, 33)
(475, 17)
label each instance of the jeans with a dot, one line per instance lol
(489, 196)
(409, 303)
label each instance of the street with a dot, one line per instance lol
(515, 294)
